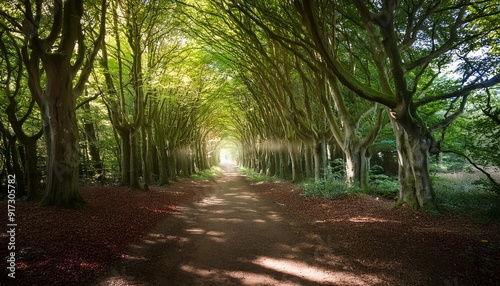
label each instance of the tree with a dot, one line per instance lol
(143, 43)
(474, 137)
(264, 38)
(408, 48)
(58, 63)
(20, 119)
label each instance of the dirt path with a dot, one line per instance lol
(238, 233)
(232, 236)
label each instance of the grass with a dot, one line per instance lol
(207, 174)
(332, 186)
(465, 195)
(254, 176)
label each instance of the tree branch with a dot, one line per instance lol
(56, 25)
(89, 99)
(487, 110)
(87, 69)
(490, 178)
(449, 119)
(446, 46)
(461, 92)
(305, 9)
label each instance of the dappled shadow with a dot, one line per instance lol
(232, 236)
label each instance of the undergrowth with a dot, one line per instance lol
(331, 186)
(207, 174)
(462, 193)
(467, 197)
(254, 176)
(384, 186)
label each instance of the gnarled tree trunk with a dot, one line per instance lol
(356, 164)
(64, 57)
(61, 134)
(415, 187)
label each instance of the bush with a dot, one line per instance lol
(336, 167)
(467, 197)
(385, 186)
(207, 174)
(254, 176)
(488, 185)
(382, 184)
(332, 186)
(376, 170)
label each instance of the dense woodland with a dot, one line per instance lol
(140, 93)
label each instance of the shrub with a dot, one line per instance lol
(467, 197)
(331, 186)
(376, 170)
(336, 167)
(254, 176)
(384, 186)
(207, 174)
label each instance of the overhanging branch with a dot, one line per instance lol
(488, 110)
(490, 178)
(461, 92)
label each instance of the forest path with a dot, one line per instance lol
(232, 236)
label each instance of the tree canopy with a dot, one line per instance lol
(145, 92)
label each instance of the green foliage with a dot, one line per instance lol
(474, 134)
(207, 174)
(331, 186)
(449, 163)
(254, 176)
(376, 170)
(336, 167)
(384, 185)
(488, 185)
(461, 194)
(385, 140)
(482, 140)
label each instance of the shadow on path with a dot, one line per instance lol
(232, 236)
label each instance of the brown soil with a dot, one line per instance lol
(233, 232)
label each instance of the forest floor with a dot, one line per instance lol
(230, 231)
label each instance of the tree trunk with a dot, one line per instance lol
(297, 174)
(253, 158)
(308, 161)
(184, 157)
(125, 157)
(172, 163)
(146, 159)
(18, 170)
(415, 187)
(356, 165)
(155, 157)
(271, 170)
(281, 164)
(276, 164)
(319, 158)
(163, 163)
(91, 137)
(134, 156)
(31, 171)
(61, 136)
(262, 161)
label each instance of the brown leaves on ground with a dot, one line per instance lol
(71, 247)
(438, 249)
(67, 247)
